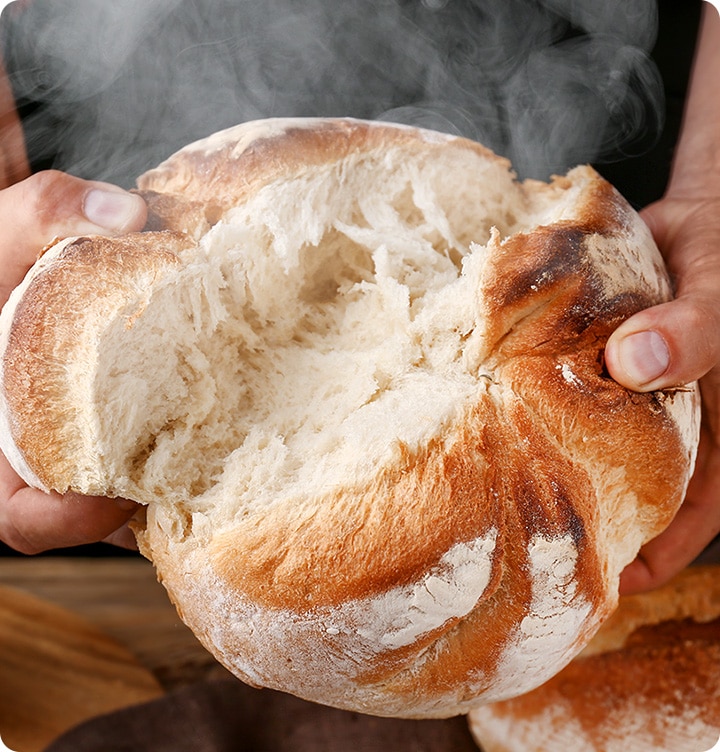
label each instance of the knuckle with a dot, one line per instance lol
(14, 538)
(699, 324)
(50, 196)
(697, 314)
(707, 322)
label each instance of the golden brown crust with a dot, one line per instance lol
(50, 319)
(349, 531)
(225, 169)
(693, 594)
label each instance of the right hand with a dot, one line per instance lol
(35, 212)
(686, 332)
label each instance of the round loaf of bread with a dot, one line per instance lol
(648, 682)
(355, 373)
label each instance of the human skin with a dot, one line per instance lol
(679, 342)
(34, 211)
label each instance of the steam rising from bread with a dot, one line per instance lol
(548, 84)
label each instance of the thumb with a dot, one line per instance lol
(676, 342)
(665, 346)
(51, 205)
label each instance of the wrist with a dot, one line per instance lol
(696, 164)
(14, 165)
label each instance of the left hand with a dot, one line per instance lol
(673, 344)
(33, 213)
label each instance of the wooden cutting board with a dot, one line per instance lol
(57, 670)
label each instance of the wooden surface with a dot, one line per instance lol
(123, 598)
(57, 669)
(80, 637)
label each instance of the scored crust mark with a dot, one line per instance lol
(365, 405)
(346, 534)
(555, 333)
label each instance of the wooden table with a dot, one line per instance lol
(81, 638)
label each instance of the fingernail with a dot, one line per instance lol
(644, 356)
(111, 210)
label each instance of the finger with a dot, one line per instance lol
(32, 521)
(673, 550)
(677, 342)
(123, 537)
(696, 524)
(667, 345)
(51, 205)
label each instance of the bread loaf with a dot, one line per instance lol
(355, 373)
(648, 682)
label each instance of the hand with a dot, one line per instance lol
(673, 344)
(44, 207)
